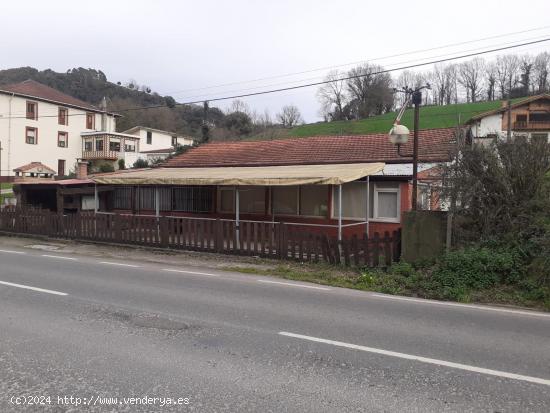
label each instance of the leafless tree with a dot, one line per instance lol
(541, 68)
(507, 72)
(526, 67)
(443, 81)
(491, 80)
(406, 78)
(470, 76)
(289, 116)
(238, 105)
(332, 96)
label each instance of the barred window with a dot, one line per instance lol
(123, 197)
(192, 199)
(146, 197)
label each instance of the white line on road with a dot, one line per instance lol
(28, 287)
(119, 264)
(294, 285)
(13, 252)
(191, 272)
(466, 306)
(59, 257)
(421, 359)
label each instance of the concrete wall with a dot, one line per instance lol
(423, 234)
(16, 152)
(159, 140)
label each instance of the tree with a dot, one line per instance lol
(289, 116)
(443, 81)
(507, 71)
(526, 67)
(370, 91)
(541, 67)
(470, 76)
(332, 96)
(491, 80)
(238, 122)
(238, 105)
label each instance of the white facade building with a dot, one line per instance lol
(157, 140)
(41, 124)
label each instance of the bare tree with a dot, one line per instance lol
(289, 116)
(541, 68)
(491, 80)
(470, 76)
(406, 78)
(526, 67)
(238, 105)
(507, 72)
(443, 81)
(332, 96)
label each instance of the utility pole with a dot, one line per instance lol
(416, 100)
(509, 115)
(205, 129)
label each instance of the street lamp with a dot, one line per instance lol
(399, 134)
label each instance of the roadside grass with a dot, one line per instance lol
(6, 185)
(402, 279)
(431, 117)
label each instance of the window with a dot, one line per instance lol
(61, 167)
(90, 120)
(149, 137)
(63, 116)
(354, 200)
(99, 145)
(88, 146)
(114, 145)
(192, 199)
(251, 199)
(122, 197)
(31, 135)
(227, 200)
(129, 146)
(521, 118)
(174, 140)
(543, 117)
(32, 110)
(314, 200)
(386, 202)
(146, 196)
(62, 139)
(285, 200)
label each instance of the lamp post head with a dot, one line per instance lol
(399, 134)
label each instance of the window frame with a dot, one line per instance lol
(62, 133)
(90, 125)
(60, 110)
(149, 137)
(378, 190)
(27, 128)
(34, 113)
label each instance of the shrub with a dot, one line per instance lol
(106, 167)
(140, 163)
(121, 164)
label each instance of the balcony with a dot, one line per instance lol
(108, 145)
(532, 125)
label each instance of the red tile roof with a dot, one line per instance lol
(33, 89)
(434, 146)
(32, 165)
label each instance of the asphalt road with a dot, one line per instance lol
(74, 325)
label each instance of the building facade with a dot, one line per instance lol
(158, 141)
(41, 124)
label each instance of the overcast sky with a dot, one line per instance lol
(177, 46)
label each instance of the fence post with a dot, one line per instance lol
(163, 230)
(387, 248)
(283, 247)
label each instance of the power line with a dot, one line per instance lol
(411, 66)
(364, 61)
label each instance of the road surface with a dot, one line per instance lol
(198, 339)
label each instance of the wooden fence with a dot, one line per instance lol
(253, 238)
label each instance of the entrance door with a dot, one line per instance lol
(61, 167)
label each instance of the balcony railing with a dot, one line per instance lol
(110, 155)
(531, 125)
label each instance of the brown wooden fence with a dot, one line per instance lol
(254, 238)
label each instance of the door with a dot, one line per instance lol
(61, 167)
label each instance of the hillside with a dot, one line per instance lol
(430, 117)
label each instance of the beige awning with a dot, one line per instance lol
(261, 175)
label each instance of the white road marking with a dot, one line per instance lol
(294, 285)
(466, 306)
(12, 252)
(191, 272)
(119, 264)
(421, 359)
(28, 287)
(59, 257)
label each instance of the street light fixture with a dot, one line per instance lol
(399, 134)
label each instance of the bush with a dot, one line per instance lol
(475, 268)
(121, 164)
(140, 163)
(106, 167)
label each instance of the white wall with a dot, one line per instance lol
(159, 140)
(16, 152)
(488, 125)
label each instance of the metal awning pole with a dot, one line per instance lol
(95, 198)
(340, 212)
(157, 201)
(237, 217)
(368, 204)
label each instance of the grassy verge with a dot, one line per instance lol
(6, 185)
(404, 279)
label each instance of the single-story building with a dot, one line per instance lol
(340, 185)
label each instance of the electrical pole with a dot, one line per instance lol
(416, 100)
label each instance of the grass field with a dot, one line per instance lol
(430, 117)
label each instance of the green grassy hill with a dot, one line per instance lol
(431, 117)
